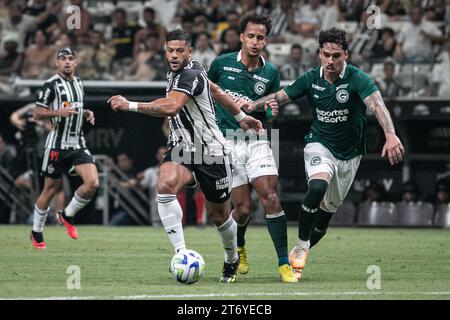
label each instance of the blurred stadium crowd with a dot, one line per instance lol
(408, 55)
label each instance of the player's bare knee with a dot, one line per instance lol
(243, 209)
(269, 200)
(217, 217)
(50, 191)
(91, 187)
(167, 186)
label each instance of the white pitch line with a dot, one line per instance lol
(242, 294)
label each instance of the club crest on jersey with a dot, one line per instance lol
(315, 161)
(342, 96)
(260, 87)
(50, 169)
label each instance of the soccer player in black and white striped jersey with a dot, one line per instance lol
(60, 100)
(194, 140)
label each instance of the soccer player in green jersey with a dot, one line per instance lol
(338, 94)
(247, 77)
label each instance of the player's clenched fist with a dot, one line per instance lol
(273, 105)
(119, 103)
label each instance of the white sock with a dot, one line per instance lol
(228, 236)
(303, 244)
(39, 219)
(76, 204)
(171, 214)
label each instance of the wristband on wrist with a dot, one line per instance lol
(241, 115)
(133, 106)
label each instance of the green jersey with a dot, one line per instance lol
(232, 76)
(338, 109)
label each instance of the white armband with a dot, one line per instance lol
(241, 115)
(133, 106)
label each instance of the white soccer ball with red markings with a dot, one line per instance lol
(187, 266)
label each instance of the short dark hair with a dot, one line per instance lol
(179, 34)
(333, 35)
(256, 19)
(297, 46)
(120, 11)
(150, 10)
(388, 30)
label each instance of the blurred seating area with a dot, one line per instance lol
(411, 209)
(390, 214)
(404, 45)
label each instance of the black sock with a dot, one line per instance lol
(241, 233)
(68, 219)
(37, 236)
(308, 210)
(320, 226)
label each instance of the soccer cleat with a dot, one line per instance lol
(297, 273)
(229, 272)
(243, 264)
(287, 274)
(37, 240)
(297, 258)
(68, 223)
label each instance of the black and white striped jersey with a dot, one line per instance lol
(58, 93)
(195, 126)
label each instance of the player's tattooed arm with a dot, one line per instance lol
(393, 147)
(279, 98)
(376, 104)
(164, 107)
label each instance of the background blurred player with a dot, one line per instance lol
(338, 94)
(197, 151)
(61, 101)
(246, 75)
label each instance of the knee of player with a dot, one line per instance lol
(318, 187)
(218, 217)
(92, 185)
(167, 186)
(244, 209)
(50, 191)
(269, 198)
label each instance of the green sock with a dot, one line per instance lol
(241, 229)
(278, 232)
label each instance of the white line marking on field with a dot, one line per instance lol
(241, 294)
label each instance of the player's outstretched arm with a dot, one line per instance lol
(40, 113)
(393, 147)
(280, 97)
(169, 106)
(234, 107)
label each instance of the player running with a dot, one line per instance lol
(60, 100)
(338, 94)
(245, 75)
(197, 151)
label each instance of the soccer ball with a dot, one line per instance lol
(187, 266)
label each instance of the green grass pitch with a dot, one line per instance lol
(132, 263)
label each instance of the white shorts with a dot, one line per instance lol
(251, 160)
(319, 159)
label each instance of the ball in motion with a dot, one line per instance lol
(187, 266)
